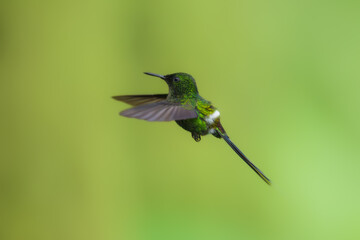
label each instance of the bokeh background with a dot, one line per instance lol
(284, 74)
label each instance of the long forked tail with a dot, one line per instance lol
(243, 157)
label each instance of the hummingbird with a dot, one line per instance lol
(186, 107)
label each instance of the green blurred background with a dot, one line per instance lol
(284, 74)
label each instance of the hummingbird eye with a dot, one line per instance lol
(176, 79)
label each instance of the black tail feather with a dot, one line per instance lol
(243, 157)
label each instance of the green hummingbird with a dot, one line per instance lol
(186, 107)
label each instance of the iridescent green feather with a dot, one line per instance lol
(199, 125)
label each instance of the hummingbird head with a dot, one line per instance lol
(180, 84)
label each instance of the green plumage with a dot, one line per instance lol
(198, 126)
(184, 105)
(183, 89)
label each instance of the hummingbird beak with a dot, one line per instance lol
(155, 75)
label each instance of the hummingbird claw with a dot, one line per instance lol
(196, 137)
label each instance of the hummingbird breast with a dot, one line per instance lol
(203, 124)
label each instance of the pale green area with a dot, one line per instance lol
(284, 74)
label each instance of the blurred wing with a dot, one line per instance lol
(136, 100)
(160, 111)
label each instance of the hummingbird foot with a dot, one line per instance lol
(196, 137)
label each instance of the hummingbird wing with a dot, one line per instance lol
(136, 100)
(242, 155)
(161, 111)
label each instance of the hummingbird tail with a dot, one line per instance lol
(243, 157)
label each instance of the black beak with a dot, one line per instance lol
(155, 75)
